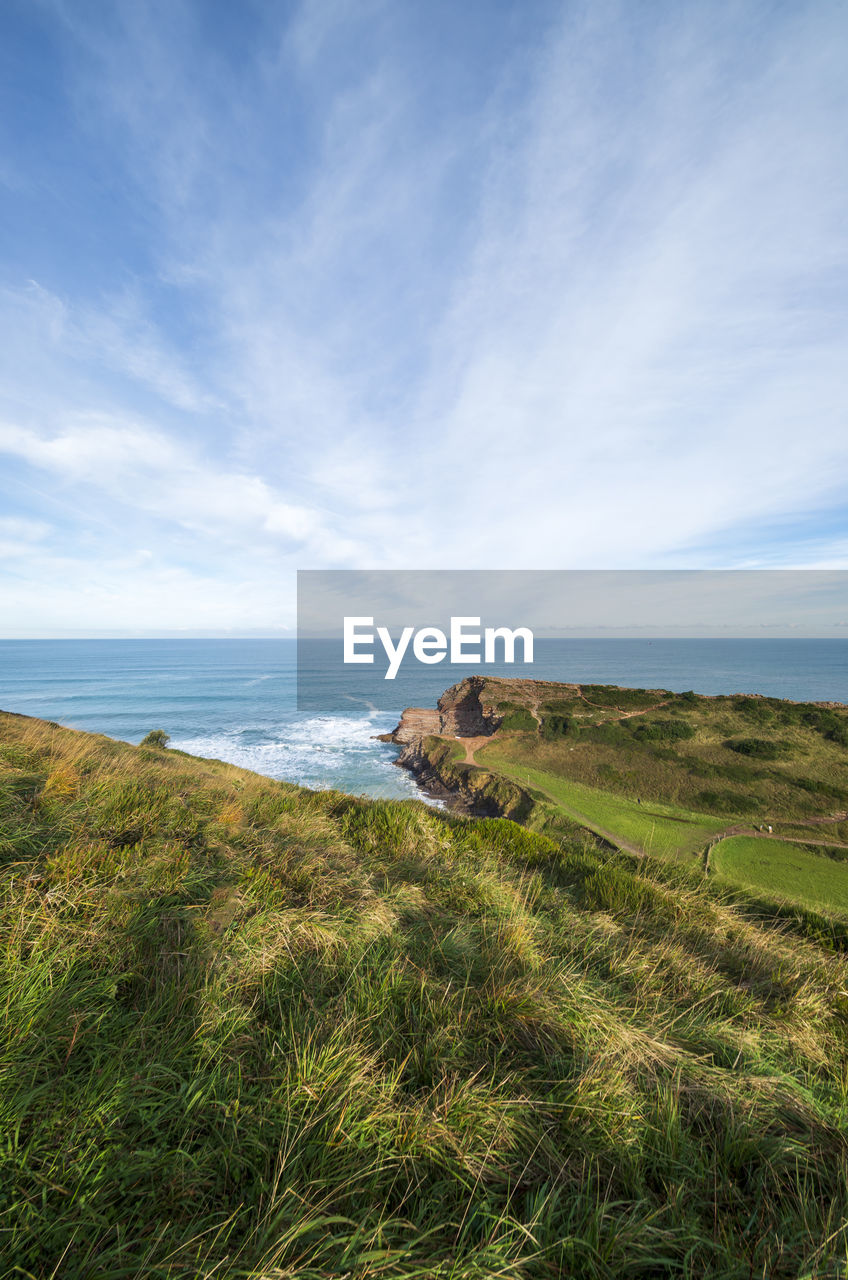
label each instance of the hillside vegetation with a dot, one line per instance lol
(729, 756)
(659, 773)
(253, 1031)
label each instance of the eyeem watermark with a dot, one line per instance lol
(389, 638)
(431, 644)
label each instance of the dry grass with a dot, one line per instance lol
(253, 1031)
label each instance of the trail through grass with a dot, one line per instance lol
(661, 829)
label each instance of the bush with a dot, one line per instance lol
(817, 787)
(558, 726)
(726, 802)
(520, 719)
(756, 709)
(601, 695)
(612, 733)
(564, 706)
(156, 738)
(663, 731)
(832, 727)
(759, 748)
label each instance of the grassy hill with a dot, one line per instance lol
(665, 774)
(253, 1031)
(728, 756)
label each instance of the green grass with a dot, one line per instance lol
(732, 756)
(664, 830)
(252, 1031)
(784, 870)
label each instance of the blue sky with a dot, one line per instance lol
(412, 285)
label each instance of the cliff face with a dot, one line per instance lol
(416, 723)
(463, 712)
(466, 788)
(466, 710)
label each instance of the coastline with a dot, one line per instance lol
(438, 745)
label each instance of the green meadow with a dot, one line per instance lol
(653, 827)
(252, 1031)
(783, 869)
(667, 775)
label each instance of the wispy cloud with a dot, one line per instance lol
(414, 286)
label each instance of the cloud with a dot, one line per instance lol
(642, 347)
(28, 531)
(569, 299)
(152, 471)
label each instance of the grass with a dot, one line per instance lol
(252, 1031)
(783, 869)
(656, 772)
(736, 757)
(664, 830)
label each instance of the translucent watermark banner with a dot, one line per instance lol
(390, 638)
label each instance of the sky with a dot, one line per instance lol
(419, 285)
(574, 603)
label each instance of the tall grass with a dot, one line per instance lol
(253, 1031)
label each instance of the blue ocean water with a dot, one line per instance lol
(235, 700)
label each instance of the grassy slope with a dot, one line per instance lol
(605, 748)
(656, 771)
(665, 830)
(253, 1031)
(783, 869)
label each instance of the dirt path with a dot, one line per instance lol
(826, 844)
(580, 818)
(748, 829)
(472, 745)
(623, 715)
(754, 834)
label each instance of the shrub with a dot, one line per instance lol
(564, 706)
(832, 727)
(663, 731)
(727, 801)
(601, 695)
(818, 787)
(759, 748)
(156, 738)
(612, 733)
(756, 709)
(558, 726)
(520, 719)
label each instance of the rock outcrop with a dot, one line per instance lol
(465, 788)
(416, 723)
(462, 712)
(466, 710)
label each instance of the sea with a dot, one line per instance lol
(236, 699)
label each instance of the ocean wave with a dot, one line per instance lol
(338, 752)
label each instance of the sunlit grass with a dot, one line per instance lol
(252, 1031)
(662, 829)
(783, 869)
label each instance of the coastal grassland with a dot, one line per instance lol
(732, 756)
(664, 830)
(253, 1031)
(783, 869)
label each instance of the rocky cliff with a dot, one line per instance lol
(463, 711)
(466, 710)
(415, 723)
(465, 787)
